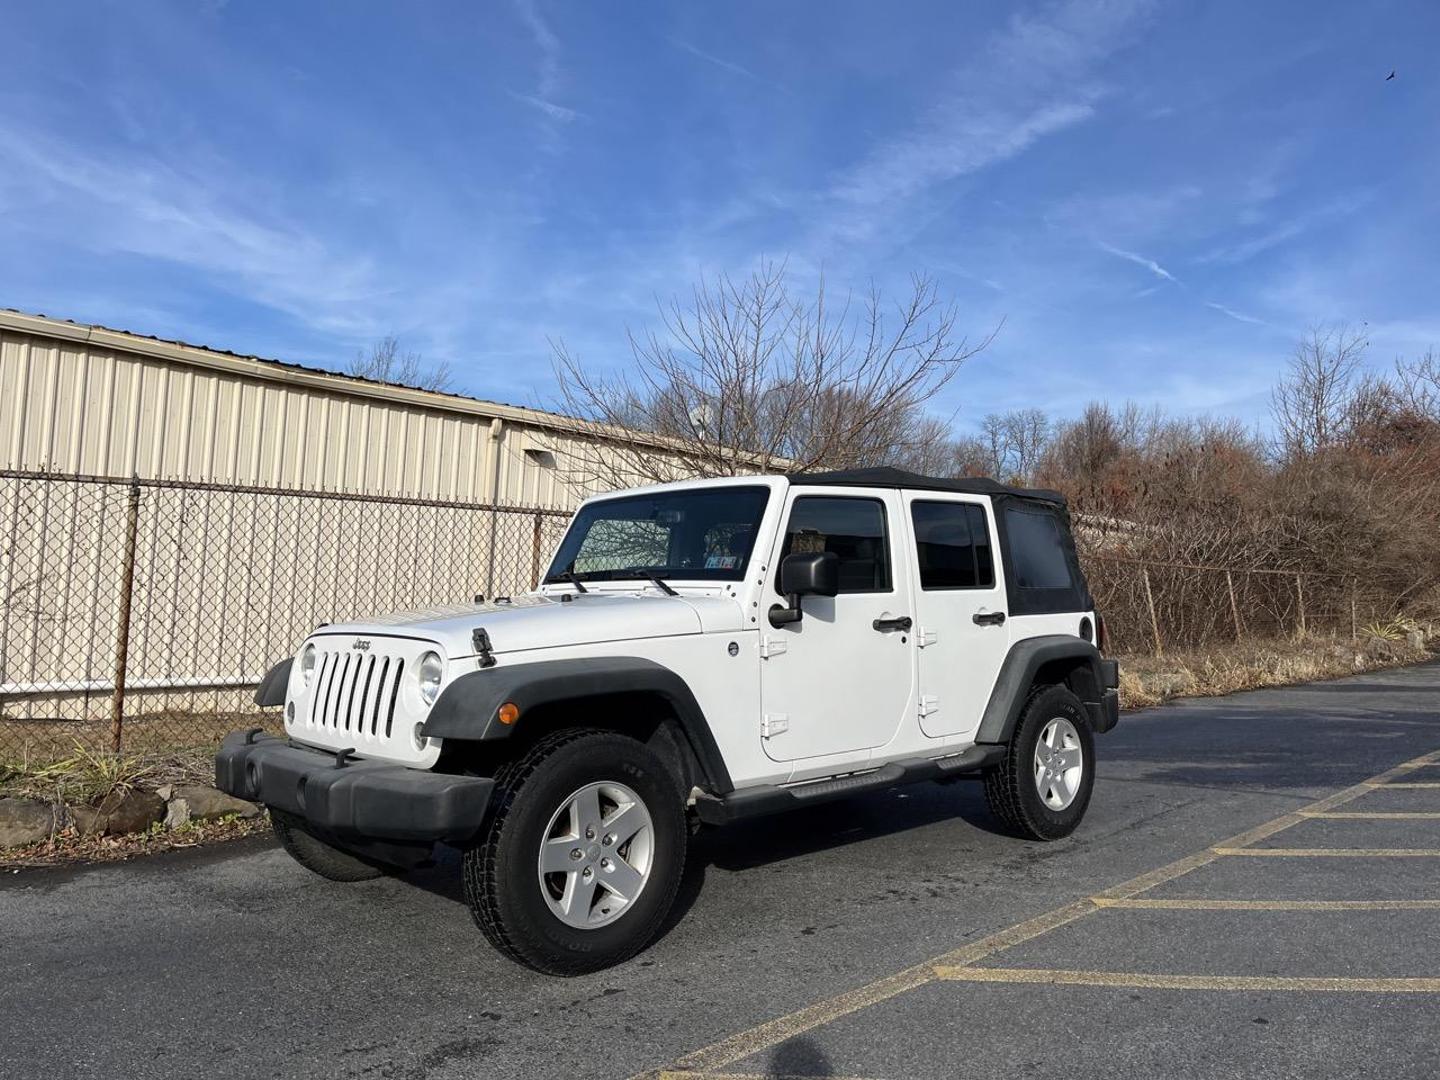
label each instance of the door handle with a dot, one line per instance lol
(989, 618)
(900, 622)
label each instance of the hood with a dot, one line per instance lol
(543, 622)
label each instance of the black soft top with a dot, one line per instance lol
(899, 478)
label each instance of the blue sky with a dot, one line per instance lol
(1155, 198)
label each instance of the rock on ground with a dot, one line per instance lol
(25, 821)
(119, 812)
(196, 802)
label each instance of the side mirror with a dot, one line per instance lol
(811, 573)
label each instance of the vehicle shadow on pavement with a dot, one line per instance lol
(749, 845)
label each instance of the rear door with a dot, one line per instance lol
(842, 680)
(961, 631)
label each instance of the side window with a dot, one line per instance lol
(1037, 554)
(952, 545)
(854, 529)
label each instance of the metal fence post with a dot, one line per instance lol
(122, 627)
(535, 551)
(1234, 607)
(1150, 603)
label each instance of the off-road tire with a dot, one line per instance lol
(318, 855)
(1010, 786)
(502, 887)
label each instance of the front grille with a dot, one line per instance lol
(365, 699)
(356, 692)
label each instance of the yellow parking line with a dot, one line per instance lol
(1144, 981)
(743, 1044)
(1322, 853)
(1373, 815)
(1268, 905)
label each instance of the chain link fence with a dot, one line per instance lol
(139, 615)
(1151, 606)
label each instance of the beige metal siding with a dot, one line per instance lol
(79, 407)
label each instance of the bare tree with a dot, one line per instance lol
(385, 362)
(1311, 402)
(1013, 443)
(1029, 431)
(995, 443)
(749, 375)
(1419, 383)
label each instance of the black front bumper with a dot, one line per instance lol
(352, 797)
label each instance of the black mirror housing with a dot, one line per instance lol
(810, 573)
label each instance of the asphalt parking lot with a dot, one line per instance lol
(1256, 892)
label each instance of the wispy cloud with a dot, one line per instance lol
(1257, 244)
(1031, 80)
(720, 62)
(1236, 315)
(549, 77)
(149, 206)
(549, 108)
(1139, 260)
(970, 144)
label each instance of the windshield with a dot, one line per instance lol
(699, 535)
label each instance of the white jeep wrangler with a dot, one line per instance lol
(697, 653)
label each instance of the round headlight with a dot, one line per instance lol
(307, 664)
(428, 672)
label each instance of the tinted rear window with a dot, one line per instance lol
(1036, 550)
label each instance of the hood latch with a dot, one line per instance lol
(481, 640)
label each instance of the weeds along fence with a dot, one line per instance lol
(141, 614)
(1151, 606)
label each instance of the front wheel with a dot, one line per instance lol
(317, 855)
(583, 854)
(1041, 788)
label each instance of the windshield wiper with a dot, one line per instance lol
(652, 577)
(574, 579)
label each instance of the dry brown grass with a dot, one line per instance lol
(84, 775)
(68, 848)
(1149, 680)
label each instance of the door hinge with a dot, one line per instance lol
(774, 724)
(929, 703)
(925, 637)
(770, 646)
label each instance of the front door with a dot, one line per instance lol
(959, 610)
(842, 679)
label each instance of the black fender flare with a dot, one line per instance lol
(467, 708)
(271, 690)
(1092, 678)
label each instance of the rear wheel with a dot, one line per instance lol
(1041, 789)
(581, 859)
(317, 855)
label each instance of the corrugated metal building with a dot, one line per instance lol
(82, 399)
(271, 498)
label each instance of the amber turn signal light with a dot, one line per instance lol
(508, 713)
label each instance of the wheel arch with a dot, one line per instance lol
(1050, 659)
(631, 695)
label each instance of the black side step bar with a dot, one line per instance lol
(772, 798)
